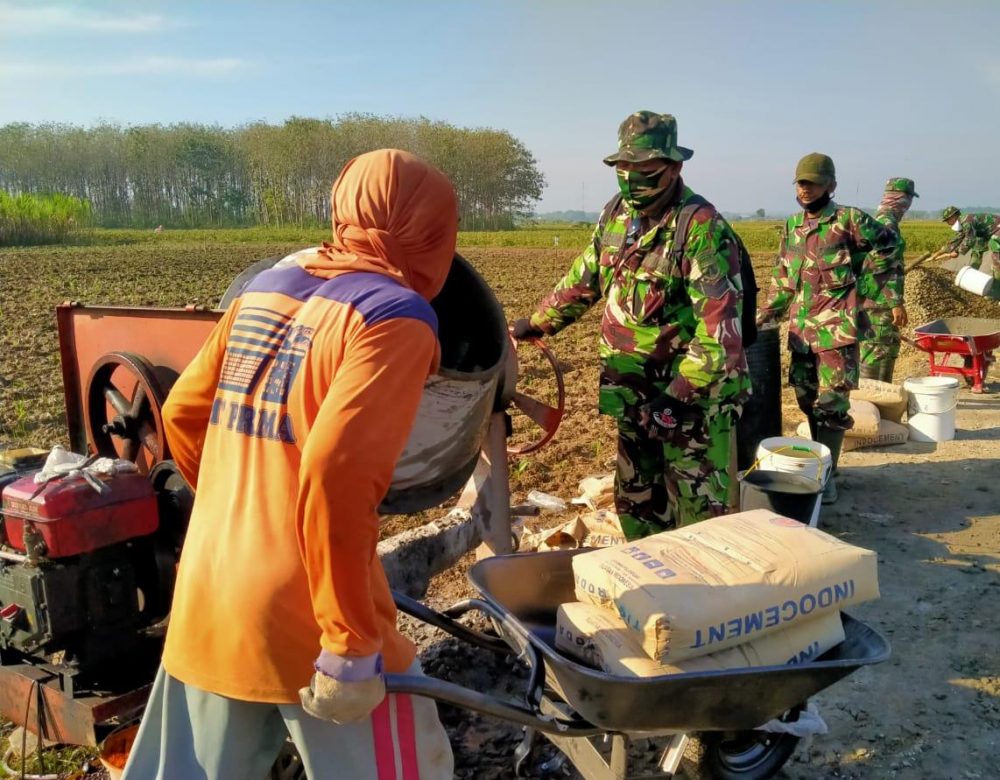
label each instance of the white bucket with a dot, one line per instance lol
(931, 404)
(931, 427)
(793, 455)
(931, 394)
(973, 280)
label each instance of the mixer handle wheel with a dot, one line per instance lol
(543, 415)
(123, 404)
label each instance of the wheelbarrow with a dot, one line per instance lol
(711, 718)
(971, 339)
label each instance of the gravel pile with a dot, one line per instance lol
(931, 294)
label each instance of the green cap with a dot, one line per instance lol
(648, 136)
(817, 168)
(949, 212)
(898, 184)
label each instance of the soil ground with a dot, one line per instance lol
(931, 511)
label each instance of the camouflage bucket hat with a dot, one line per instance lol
(817, 168)
(899, 184)
(648, 136)
(949, 212)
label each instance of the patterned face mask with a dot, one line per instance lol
(639, 189)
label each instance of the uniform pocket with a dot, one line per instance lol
(645, 296)
(837, 273)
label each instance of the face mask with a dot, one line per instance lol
(817, 205)
(957, 227)
(640, 189)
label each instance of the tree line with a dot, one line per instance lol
(192, 175)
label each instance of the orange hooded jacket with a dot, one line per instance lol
(288, 424)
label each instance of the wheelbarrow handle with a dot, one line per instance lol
(514, 640)
(485, 704)
(447, 620)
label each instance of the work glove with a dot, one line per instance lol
(662, 418)
(344, 690)
(523, 329)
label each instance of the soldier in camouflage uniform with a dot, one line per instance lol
(880, 350)
(827, 251)
(976, 234)
(673, 370)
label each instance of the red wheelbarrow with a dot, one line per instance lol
(972, 339)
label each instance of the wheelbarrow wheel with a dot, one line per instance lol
(741, 755)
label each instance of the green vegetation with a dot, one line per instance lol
(760, 237)
(189, 176)
(40, 219)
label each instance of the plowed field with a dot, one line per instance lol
(931, 511)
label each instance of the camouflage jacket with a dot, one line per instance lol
(671, 325)
(821, 265)
(880, 286)
(975, 233)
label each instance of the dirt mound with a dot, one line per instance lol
(931, 294)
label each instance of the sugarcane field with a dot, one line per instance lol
(375, 404)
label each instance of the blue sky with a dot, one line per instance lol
(891, 88)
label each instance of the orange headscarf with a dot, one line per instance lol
(393, 214)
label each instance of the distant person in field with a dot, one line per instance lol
(831, 258)
(288, 425)
(880, 349)
(977, 233)
(673, 370)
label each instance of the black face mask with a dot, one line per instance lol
(817, 205)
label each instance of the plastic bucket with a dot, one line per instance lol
(761, 416)
(792, 455)
(785, 494)
(931, 427)
(973, 280)
(931, 394)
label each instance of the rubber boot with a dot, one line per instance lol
(834, 440)
(885, 370)
(870, 372)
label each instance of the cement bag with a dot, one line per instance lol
(597, 492)
(866, 419)
(603, 529)
(889, 398)
(600, 638)
(724, 581)
(888, 433)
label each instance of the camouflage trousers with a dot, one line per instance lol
(662, 485)
(823, 382)
(883, 345)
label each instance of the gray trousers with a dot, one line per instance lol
(191, 734)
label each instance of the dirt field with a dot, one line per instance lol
(933, 513)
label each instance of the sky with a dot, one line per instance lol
(886, 88)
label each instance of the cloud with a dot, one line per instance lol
(143, 66)
(39, 18)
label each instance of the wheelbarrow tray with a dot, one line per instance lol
(528, 588)
(959, 335)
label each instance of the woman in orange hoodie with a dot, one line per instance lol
(288, 425)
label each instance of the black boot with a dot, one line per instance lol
(870, 371)
(812, 426)
(834, 440)
(885, 370)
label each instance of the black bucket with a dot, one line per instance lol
(761, 418)
(789, 495)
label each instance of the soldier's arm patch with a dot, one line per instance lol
(713, 287)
